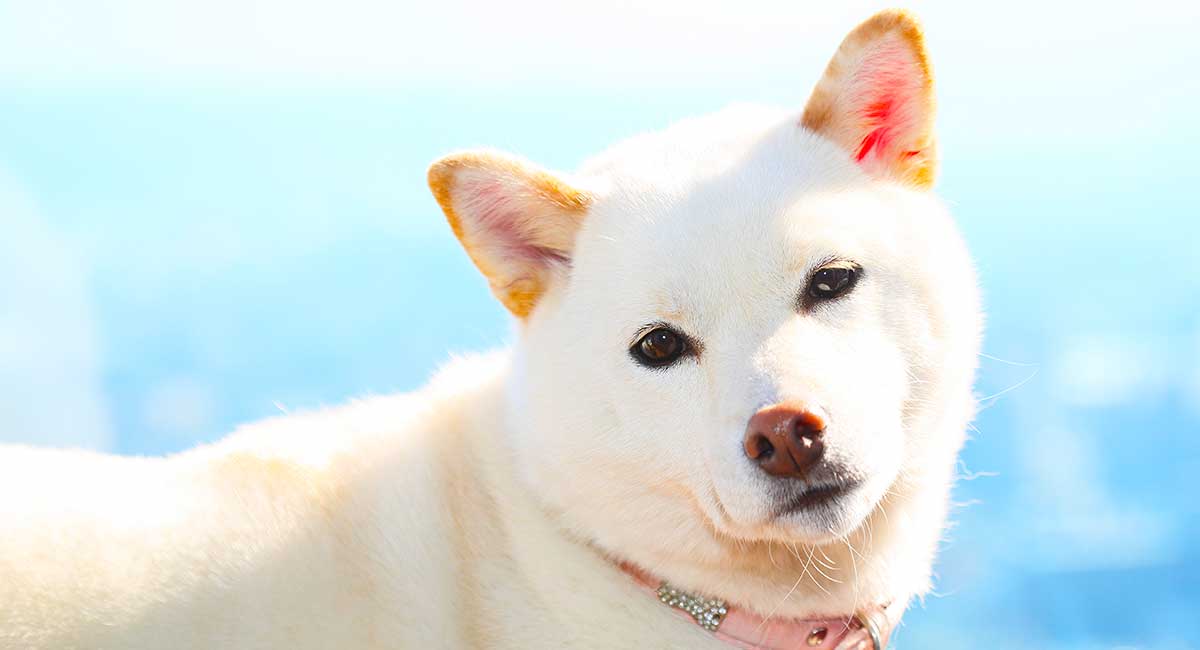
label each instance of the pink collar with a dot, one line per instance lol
(866, 630)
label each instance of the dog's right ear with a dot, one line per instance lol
(516, 221)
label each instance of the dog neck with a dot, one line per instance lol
(862, 630)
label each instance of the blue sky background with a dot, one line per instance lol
(212, 212)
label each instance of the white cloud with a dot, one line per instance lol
(375, 41)
(1118, 538)
(181, 407)
(1080, 522)
(50, 392)
(574, 43)
(1109, 370)
(1062, 466)
(1193, 387)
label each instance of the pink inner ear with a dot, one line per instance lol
(503, 220)
(886, 91)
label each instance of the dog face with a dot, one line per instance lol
(753, 328)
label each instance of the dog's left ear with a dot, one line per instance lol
(876, 99)
(517, 222)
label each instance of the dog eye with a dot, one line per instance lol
(832, 281)
(659, 347)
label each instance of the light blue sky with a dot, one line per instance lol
(214, 211)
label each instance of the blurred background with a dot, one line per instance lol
(213, 212)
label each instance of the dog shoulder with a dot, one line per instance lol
(302, 513)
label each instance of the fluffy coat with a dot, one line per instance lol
(491, 508)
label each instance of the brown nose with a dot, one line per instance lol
(785, 439)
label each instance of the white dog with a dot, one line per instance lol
(731, 416)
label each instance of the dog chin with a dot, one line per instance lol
(820, 515)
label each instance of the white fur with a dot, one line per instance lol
(486, 509)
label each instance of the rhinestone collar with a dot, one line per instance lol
(865, 630)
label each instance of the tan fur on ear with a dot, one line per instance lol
(516, 221)
(876, 99)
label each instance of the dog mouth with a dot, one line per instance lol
(813, 498)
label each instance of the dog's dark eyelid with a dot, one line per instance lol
(662, 345)
(831, 280)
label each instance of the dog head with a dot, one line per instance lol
(750, 333)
